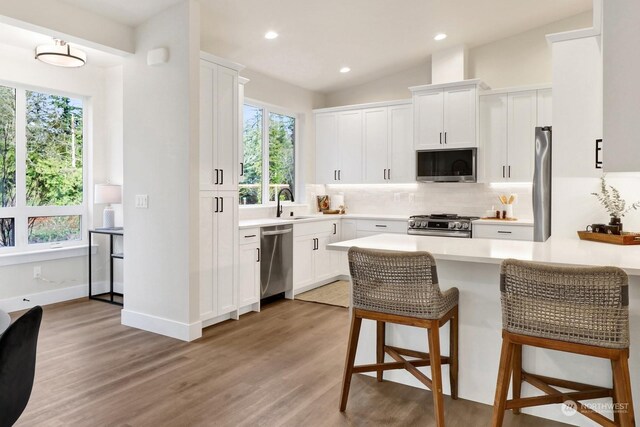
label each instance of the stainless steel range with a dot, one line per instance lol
(445, 225)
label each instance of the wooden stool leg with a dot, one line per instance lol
(621, 394)
(354, 334)
(517, 374)
(380, 332)
(616, 414)
(436, 373)
(453, 354)
(624, 362)
(502, 387)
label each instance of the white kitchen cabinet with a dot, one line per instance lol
(327, 163)
(303, 261)
(376, 142)
(503, 232)
(402, 156)
(446, 115)
(249, 269)
(350, 147)
(313, 264)
(219, 127)
(545, 107)
(218, 253)
(507, 133)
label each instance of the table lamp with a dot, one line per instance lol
(108, 194)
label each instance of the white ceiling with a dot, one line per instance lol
(318, 37)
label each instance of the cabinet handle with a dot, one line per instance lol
(335, 228)
(445, 137)
(504, 232)
(258, 251)
(221, 204)
(216, 172)
(217, 210)
(440, 137)
(389, 174)
(381, 226)
(384, 173)
(339, 177)
(222, 176)
(316, 244)
(335, 175)
(509, 171)
(241, 169)
(248, 236)
(503, 171)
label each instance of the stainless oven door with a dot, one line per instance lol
(440, 233)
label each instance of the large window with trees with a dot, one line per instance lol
(269, 141)
(42, 198)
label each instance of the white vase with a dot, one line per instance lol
(508, 209)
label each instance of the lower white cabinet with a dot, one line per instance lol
(218, 253)
(503, 232)
(312, 262)
(371, 227)
(249, 269)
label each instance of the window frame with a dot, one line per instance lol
(267, 109)
(21, 211)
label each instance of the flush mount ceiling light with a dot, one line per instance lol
(440, 36)
(61, 54)
(270, 35)
(345, 70)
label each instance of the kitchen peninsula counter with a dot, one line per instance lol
(473, 266)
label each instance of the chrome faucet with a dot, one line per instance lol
(278, 207)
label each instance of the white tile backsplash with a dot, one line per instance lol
(425, 198)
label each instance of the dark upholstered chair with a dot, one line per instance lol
(17, 365)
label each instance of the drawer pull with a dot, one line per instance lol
(249, 236)
(504, 232)
(381, 226)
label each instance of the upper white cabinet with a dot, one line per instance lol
(507, 132)
(446, 115)
(365, 145)
(218, 127)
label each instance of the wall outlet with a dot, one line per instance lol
(37, 272)
(142, 201)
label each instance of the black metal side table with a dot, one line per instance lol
(111, 232)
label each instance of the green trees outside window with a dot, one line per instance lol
(269, 165)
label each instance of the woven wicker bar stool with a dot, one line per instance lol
(402, 288)
(577, 310)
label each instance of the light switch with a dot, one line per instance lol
(142, 201)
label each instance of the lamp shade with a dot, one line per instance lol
(61, 54)
(107, 193)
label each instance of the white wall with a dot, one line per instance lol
(518, 60)
(160, 160)
(67, 276)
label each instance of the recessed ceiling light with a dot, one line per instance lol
(270, 35)
(440, 36)
(345, 70)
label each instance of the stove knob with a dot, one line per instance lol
(412, 223)
(465, 225)
(458, 226)
(423, 224)
(452, 225)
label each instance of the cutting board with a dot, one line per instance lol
(623, 239)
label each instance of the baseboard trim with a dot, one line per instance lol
(317, 285)
(162, 326)
(51, 296)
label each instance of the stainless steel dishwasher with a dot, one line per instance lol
(276, 264)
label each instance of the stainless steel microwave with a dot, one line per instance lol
(449, 165)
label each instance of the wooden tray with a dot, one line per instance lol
(623, 239)
(331, 211)
(493, 218)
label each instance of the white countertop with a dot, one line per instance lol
(266, 222)
(491, 251)
(522, 222)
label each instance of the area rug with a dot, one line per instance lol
(336, 293)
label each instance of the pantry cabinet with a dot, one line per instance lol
(507, 133)
(446, 115)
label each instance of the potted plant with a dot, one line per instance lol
(614, 204)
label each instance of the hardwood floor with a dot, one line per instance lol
(280, 367)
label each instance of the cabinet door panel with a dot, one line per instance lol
(521, 130)
(493, 136)
(226, 244)
(326, 148)
(303, 254)
(207, 267)
(350, 147)
(226, 127)
(374, 124)
(207, 176)
(428, 120)
(460, 117)
(402, 155)
(323, 259)
(248, 275)
(545, 107)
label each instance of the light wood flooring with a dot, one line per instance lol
(282, 366)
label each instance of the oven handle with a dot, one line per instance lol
(441, 233)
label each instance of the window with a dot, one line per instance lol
(269, 141)
(42, 199)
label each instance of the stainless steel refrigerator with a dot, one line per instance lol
(542, 185)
